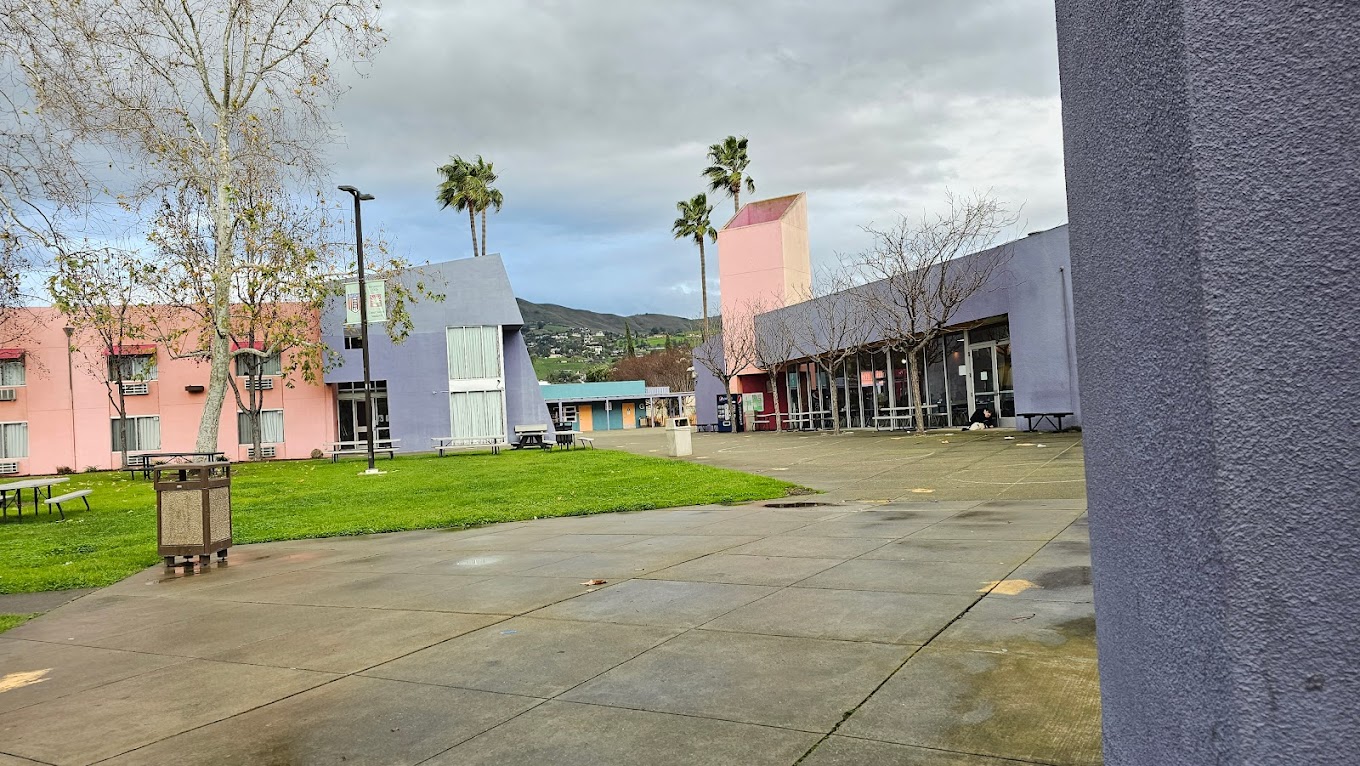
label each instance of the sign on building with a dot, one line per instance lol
(377, 302)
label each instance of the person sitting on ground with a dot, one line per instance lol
(983, 418)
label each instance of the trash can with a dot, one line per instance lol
(678, 437)
(193, 512)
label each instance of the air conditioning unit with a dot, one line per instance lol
(260, 384)
(136, 460)
(136, 388)
(8, 468)
(269, 451)
(8, 394)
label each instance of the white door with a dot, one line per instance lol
(476, 382)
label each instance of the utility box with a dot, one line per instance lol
(678, 437)
(193, 511)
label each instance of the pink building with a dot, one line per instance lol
(763, 256)
(55, 409)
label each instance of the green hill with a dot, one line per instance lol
(554, 316)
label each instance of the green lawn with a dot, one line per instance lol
(8, 621)
(298, 499)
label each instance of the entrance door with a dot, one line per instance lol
(353, 412)
(989, 382)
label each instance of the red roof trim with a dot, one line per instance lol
(9, 354)
(257, 345)
(132, 349)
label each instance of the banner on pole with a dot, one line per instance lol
(377, 302)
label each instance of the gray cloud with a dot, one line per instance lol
(598, 114)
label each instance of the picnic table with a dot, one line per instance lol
(360, 447)
(18, 487)
(1054, 419)
(804, 420)
(566, 439)
(444, 444)
(895, 415)
(149, 460)
(533, 435)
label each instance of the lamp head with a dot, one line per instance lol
(349, 189)
(366, 197)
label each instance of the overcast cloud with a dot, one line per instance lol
(598, 114)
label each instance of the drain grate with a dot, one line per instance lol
(795, 504)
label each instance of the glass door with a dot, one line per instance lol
(353, 415)
(982, 378)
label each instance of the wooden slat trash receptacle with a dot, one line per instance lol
(193, 511)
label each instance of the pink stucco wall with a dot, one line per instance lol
(763, 259)
(45, 402)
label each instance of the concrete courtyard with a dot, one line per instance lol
(933, 610)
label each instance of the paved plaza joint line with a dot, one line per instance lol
(931, 629)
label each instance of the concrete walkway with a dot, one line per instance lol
(862, 632)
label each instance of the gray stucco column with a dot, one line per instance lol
(1213, 180)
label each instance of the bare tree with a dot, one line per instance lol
(182, 95)
(830, 326)
(775, 345)
(926, 269)
(98, 291)
(293, 253)
(731, 352)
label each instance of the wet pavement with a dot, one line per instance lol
(898, 629)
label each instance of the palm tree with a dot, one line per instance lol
(728, 171)
(694, 224)
(489, 196)
(460, 190)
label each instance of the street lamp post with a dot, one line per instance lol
(71, 389)
(363, 319)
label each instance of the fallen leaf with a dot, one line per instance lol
(922, 491)
(1007, 587)
(593, 582)
(13, 681)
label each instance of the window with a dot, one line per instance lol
(12, 372)
(474, 352)
(249, 364)
(477, 414)
(133, 366)
(143, 433)
(271, 427)
(354, 341)
(13, 440)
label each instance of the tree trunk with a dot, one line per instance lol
(483, 232)
(835, 399)
(256, 404)
(703, 284)
(219, 347)
(774, 392)
(122, 417)
(919, 412)
(736, 200)
(472, 224)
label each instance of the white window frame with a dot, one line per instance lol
(152, 368)
(4, 455)
(243, 428)
(133, 430)
(479, 385)
(272, 364)
(6, 368)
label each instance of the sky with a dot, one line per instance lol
(598, 115)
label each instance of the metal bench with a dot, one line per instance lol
(336, 449)
(1054, 419)
(83, 494)
(588, 441)
(444, 444)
